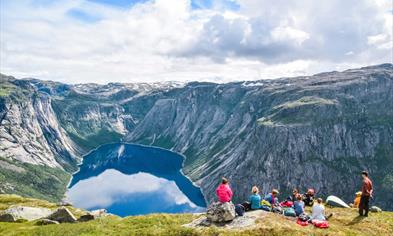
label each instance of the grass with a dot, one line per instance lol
(32, 180)
(308, 100)
(6, 88)
(344, 222)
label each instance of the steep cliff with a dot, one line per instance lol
(317, 131)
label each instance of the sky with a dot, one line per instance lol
(101, 41)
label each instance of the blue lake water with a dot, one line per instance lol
(128, 179)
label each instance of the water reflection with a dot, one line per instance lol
(131, 179)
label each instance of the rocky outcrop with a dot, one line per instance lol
(62, 215)
(15, 213)
(221, 212)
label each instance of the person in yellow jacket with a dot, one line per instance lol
(357, 200)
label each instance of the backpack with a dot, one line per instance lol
(303, 217)
(277, 209)
(265, 203)
(247, 206)
(286, 204)
(302, 223)
(239, 208)
(323, 224)
(290, 212)
(266, 208)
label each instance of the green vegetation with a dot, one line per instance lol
(32, 180)
(103, 136)
(344, 222)
(6, 88)
(308, 100)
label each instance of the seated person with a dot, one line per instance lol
(318, 211)
(255, 198)
(224, 192)
(271, 197)
(298, 205)
(292, 198)
(308, 197)
(357, 200)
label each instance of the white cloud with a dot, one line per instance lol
(100, 192)
(168, 40)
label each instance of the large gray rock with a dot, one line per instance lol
(27, 213)
(62, 215)
(221, 212)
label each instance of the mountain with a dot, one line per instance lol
(314, 131)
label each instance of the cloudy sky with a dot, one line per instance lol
(80, 41)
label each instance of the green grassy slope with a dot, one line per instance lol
(344, 222)
(32, 180)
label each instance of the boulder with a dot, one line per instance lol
(99, 213)
(7, 217)
(27, 213)
(221, 212)
(62, 215)
(47, 222)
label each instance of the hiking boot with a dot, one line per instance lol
(330, 215)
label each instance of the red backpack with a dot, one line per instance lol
(286, 204)
(323, 224)
(302, 223)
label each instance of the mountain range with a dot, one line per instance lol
(315, 131)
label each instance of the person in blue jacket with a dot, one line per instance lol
(298, 205)
(255, 198)
(272, 197)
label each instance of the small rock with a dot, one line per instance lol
(7, 217)
(62, 215)
(99, 213)
(221, 212)
(47, 222)
(86, 217)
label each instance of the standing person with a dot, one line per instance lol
(224, 192)
(367, 191)
(255, 198)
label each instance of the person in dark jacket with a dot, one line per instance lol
(295, 192)
(308, 197)
(367, 192)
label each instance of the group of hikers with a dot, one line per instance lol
(294, 204)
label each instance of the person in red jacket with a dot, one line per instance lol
(224, 192)
(367, 191)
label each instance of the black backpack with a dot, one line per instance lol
(247, 206)
(239, 208)
(303, 217)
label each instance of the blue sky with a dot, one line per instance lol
(224, 40)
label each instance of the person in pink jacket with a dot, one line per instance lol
(224, 192)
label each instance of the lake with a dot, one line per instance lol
(129, 179)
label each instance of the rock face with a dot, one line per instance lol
(221, 212)
(62, 215)
(25, 213)
(316, 131)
